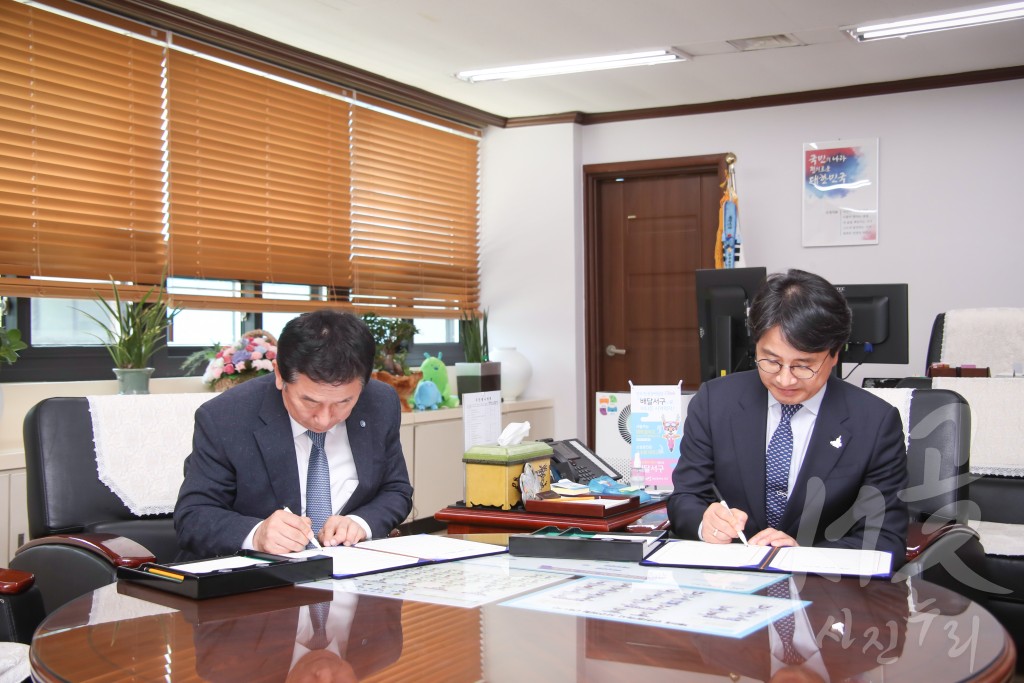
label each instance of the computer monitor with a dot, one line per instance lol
(880, 328)
(723, 299)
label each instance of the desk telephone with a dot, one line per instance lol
(578, 463)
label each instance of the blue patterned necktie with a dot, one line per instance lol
(786, 626)
(776, 466)
(318, 483)
(318, 618)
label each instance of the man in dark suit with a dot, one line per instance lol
(800, 456)
(257, 447)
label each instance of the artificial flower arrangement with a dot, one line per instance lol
(251, 356)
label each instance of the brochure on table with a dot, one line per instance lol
(733, 615)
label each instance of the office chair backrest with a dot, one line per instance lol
(985, 337)
(938, 456)
(65, 494)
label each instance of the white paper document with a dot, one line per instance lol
(219, 564)
(840, 561)
(401, 551)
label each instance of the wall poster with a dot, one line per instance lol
(840, 193)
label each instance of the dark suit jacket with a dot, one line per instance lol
(243, 467)
(724, 443)
(259, 647)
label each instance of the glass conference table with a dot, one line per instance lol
(864, 631)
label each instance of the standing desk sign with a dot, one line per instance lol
(840, 193)
(656, 427)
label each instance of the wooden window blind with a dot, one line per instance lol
(124, 158)
(81, 154)
(259, 178)
(414, 216)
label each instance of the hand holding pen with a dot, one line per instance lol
(732, 516)
(312, 536)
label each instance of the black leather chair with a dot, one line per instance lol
(941, 547)
(80, 530)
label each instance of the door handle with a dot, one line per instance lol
(612, 351)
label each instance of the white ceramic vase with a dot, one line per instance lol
(515, 372)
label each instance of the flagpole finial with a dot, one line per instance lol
(730, 158)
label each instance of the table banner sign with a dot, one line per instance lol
(656, 428)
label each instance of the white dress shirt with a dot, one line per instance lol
(802, 424)
(341, 463)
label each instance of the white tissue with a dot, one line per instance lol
(514, 434)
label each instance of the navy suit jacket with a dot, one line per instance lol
(243, 467)
(847, 492)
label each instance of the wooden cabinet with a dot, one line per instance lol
(435, 463)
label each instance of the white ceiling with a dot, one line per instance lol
(422, 43)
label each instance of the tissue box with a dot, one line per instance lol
(492, 472)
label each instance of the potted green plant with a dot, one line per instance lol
(10, 344)
(133, 332)
(392, 337)
(478, 373)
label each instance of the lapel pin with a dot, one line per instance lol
(362, 423)
(837, 443)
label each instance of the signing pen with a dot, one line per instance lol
(721, 500)
(312, 537)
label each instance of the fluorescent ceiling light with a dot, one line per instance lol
(570, 66)
(901, 28)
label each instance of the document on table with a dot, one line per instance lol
(457, 584)
(841, 561)
(218, 564)
(401, 551)
(710, 579)
(732, 615)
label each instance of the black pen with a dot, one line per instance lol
(718, 494)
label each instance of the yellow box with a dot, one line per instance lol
(493, 472)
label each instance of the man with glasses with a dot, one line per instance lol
(800, 456)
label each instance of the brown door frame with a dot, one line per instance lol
(593, 175)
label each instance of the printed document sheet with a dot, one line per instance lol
(732, 615)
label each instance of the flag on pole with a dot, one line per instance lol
(727, 244)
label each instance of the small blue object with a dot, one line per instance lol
(426, 396)
(607, 485)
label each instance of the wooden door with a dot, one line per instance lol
(649, 226)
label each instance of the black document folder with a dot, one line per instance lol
(577, 544)
(192, 580)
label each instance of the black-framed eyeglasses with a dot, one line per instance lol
(774, 367)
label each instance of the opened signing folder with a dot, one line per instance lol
(370, 557)
(801, 559)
